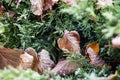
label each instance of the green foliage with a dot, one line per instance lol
(27, 30)
(19, 74)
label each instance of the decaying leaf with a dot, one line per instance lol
(64, 67)
(70, 2)
(37, 6)
(33, 53)
(69, 42)
(94, 57)
(116, 42)
(94, 46)
(45, 62)
(2, 9)
(26, 62)
(11, 13)
(9, 57)
(47, 5)
(40, 6)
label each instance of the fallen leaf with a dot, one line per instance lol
(9, 57)
(47, 5)
(33, 53)
(94, 46)
(94, 57)
(64, 67)
(70, 2)
(45, 62)
(26, 62)
(116, 42)
(37, 7)
(69, 42)
(2, 9)
(11, 13)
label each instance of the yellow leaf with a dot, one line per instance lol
(94, 46)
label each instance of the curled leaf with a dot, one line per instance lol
(116, 42)
(94, 46)
(37, 6)
(45, 62)
(9, 57)
(33, 53)
(64, 67)
(27, 61)
(69, 42)
(94, 58)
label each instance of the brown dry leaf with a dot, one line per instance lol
(94, 46)
(33, 53)
(2, 9)
(69, 42)
(26, 62)
(11, 13)
(47, 5)
(45, 62)
(37, 7)
(70, 2)
(64, 67)
(94, 57)
(116, 42)
(9, 57)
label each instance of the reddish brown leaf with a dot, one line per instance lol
(94, 58)
(64, 67)
(2, 9)
(47, 5)
(9, 57)
(33, 53)
(11, 13)
(69, 42)
(45, 62)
